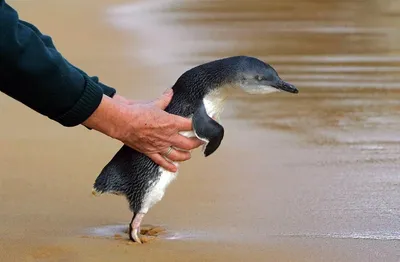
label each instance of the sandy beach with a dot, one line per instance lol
(311, 177)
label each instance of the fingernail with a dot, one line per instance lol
(169, 91)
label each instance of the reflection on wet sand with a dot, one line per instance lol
(310, 177)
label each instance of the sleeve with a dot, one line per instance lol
(33, 72)
(108, 91)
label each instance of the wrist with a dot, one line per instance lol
(121, 99)
(104, 119)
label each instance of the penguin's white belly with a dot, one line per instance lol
(157, 189)
(214, 106)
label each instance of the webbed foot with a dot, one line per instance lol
(134, 227)
(143, 234)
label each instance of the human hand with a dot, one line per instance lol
(146, 127)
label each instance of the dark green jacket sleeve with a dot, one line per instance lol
(33, 72)
(109, 91)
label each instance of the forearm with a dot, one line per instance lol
(39, 77)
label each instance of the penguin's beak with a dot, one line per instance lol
(284, 86)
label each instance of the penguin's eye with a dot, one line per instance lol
(259, 78)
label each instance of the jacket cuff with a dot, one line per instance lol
(108, 91)
(84, 107)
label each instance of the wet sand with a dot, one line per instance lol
(312, 177)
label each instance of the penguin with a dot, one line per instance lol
(198, 94)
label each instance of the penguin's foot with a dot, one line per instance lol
(134, 228)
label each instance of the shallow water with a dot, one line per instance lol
(307, 177)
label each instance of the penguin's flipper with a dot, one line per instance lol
(207, 129)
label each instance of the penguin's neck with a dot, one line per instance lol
(214, 102)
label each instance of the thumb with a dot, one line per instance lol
(165, 99)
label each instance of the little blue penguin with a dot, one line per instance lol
(199, 94)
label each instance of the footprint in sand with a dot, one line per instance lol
(120, 232)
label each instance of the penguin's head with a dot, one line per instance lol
(256, 77)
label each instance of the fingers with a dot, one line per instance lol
(164, 100)
(174, 155)
(185, 143)
(183, 124)
(178, 155)
(160, 160)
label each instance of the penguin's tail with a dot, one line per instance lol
(113, 178)
(106, 183)
(95, 192)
